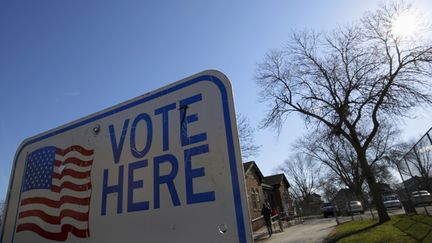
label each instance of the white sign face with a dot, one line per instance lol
(163, 167)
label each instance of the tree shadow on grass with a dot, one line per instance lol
(339, 237)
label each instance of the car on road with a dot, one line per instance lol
(328, 209)
(392, 201)
(354, 207)
(421, 197)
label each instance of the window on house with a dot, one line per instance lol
(254, 200)
(258, 197)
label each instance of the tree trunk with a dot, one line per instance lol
(374, 190)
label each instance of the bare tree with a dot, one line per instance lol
(350, 80)
(246, 136)
(304, 174)
(339, 156)
(329, 186)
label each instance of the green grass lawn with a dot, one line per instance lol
(401, 228)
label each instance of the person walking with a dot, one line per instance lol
(266, 213)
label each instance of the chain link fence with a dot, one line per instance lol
(415, 170)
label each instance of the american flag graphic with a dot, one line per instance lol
(55, 195)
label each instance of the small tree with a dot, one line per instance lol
(350, 80)
(304, 175)
(329, 186)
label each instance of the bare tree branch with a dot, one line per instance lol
(246, 138)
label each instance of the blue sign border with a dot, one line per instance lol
(241, 230)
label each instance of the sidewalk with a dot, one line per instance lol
(314, 230)
(263, 234)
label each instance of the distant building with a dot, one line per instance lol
(385, 189)
(343, 196)
(311, 205)
(417, 183)
(316, 198)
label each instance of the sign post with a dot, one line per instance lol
(163, 167)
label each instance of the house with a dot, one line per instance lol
(254, 193)
(259, 189)
(275, 189)
(316, 198)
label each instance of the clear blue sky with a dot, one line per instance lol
(62, 60)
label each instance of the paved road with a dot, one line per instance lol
(314, 230)
(369, 215)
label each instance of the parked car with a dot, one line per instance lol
(328, 209)
(354, 207)
(421, 197)
(392, 201)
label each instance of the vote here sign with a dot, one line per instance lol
(163, 167)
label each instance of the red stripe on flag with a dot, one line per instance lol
(73, 173)
(55, 219)
(56, 204)
(57, 236)
(76, 148)
(71, 186)
(75, 161)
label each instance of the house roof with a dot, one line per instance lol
(384, 186)
(344, 194)
(414, 180)
(247, 165)
(251, 165)
(276, 180)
